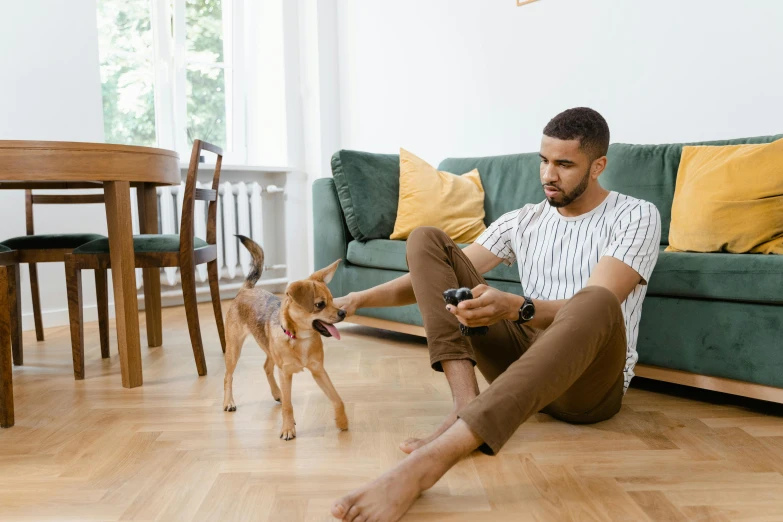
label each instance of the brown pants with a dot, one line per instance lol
(573, 370)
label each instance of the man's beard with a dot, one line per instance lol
(574, 194)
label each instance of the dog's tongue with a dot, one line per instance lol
(332, 330)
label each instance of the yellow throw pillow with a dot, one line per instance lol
(429, 197)
(729, 199)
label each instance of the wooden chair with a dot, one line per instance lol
(10, 331)
(160, 250)
(51, 248)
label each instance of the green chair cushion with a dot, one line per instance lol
(46, 241)
(368, 186)
(390, 255)
(148, 243)
(4, 248)
(750, 278)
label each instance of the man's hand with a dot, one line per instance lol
(350, 303)
(488, 306)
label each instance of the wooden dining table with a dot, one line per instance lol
(115, 169)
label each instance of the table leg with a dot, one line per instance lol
(148, 224)
(6, 385)
(118, 217)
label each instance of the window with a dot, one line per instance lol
(127, 72)
(171, 72)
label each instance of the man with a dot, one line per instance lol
(567, 348)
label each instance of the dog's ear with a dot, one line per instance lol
(326, 274)
(303, 294)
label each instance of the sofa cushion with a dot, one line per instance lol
(431, 197)
(368, 186)
(751, 278)
(649, 172)
(390, 255)
(729, 199)
(46, 241)
(149, 243)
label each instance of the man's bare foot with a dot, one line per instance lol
(387, 498)
(412, 444)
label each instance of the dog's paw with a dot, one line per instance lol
(229, 406)
(341, 421)
(288, 433)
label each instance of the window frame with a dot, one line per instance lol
(170, 78)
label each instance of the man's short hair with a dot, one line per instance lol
(583, 124)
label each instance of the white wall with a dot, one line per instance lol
(462, 78)
(50, 91)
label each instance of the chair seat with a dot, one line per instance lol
(144, 243)
(50, 241)
(4, 248)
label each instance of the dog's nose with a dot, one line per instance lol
(341, 313)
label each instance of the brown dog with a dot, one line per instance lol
(289, 331)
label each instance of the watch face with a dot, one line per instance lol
(528, 311)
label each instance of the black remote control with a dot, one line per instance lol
(455, 296)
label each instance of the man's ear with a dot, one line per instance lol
(326, 274)
(303, 294)
(598, 167)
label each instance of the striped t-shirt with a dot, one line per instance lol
(557, 254)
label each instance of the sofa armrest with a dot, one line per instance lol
(331, 236)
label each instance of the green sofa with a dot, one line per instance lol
(710, 320)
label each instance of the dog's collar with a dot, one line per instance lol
(289, 334)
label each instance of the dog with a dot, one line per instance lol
(288, 330)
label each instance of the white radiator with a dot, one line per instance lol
(240, 211)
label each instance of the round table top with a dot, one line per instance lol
(61, 161)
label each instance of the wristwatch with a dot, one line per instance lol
(527, 311)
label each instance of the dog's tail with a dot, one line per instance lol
(258, 261)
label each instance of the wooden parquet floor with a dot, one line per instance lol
(93, 451)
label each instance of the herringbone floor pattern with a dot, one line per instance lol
(93, 451)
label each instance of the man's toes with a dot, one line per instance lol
(352, 514)
(360, 518)
(341, 507)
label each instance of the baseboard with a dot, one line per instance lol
(59, 317)
(704, 382)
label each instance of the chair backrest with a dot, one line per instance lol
(55, 199)
(192, 194)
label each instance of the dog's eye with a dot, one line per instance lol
(320, 306)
